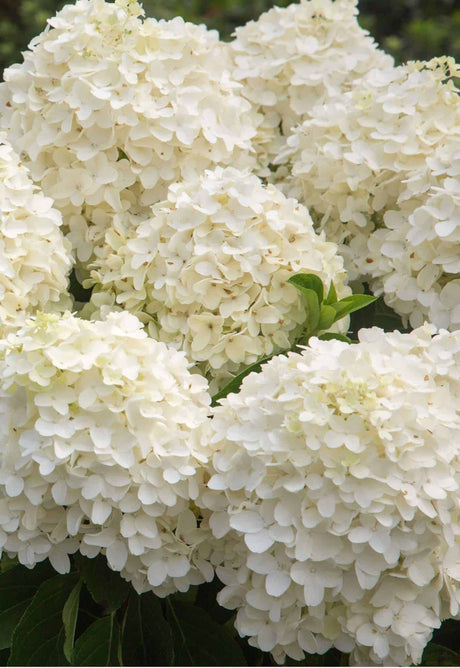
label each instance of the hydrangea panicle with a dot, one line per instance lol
(208, 269)
(334, 490)
(379, 168)
(104, 436)
(293, 58)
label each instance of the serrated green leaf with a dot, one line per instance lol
(69, 619)
(331, 295)
(98, 644)
(352, 303)
(332, 336)
(234, 384)
(147, 636)
(327, 317)
(437, 655)
(198, 639)
(105, 586)
(38, 639)
(308, 282)
(18, 585)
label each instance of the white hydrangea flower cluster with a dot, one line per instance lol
(104, 435)
(293, 58)
(35, 258)
(107, 110)
(380, 170)
(335, 497)
(209, 268)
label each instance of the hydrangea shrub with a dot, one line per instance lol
(202, 462)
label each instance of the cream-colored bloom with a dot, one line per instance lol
(380, 170)
(107, 110)
(103, 442)
(293, 58)
(208, 269)
(35, 258)
(335, 497)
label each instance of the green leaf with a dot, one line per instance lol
(7, 563)
(312, 311)
(234, 384)
(38, 639)
(198, 639)
(331, 295)
(105, 586)
(352, 303)
(98, 644)
(437, 655)
(311, 287)
(331, 336)
(308, 282)
(147, 636)
(69, 619)
(18, 585)
(327, 317)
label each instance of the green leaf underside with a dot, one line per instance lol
(105, 586)
(69, 619)
(18, 585)
(38, 639)
(97, 645)
(198, 639)
(147, 636)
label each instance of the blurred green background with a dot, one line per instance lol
(408, 29)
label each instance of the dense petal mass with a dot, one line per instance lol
(208, 269)
(35, 258)
(108, 109)
(102, 446)
(380, 170)
(293, 58)
(335, 497)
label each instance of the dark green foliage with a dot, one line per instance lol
(414, 29)
(91, 617)
(198, 639)
(147, 636)
(18, 586)
(436, 655)
(106, 587)
(99, 644)
(38, 639)
(69, 619)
